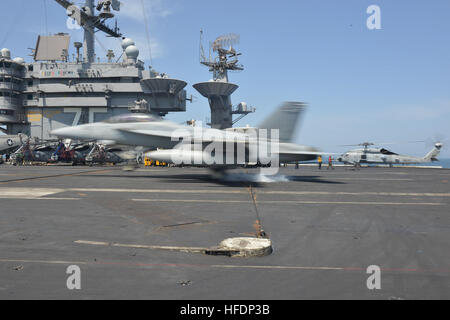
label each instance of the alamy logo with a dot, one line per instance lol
(374, 280)
(227, 148)
(74, 280)
(374, 20)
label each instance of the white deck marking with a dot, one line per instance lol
(20, 193)
(42, 261)
(40, 192)
(278, 267)
(33, 198)
(158, 190)
(218, 266)
(94, 243)
(285, 202)
(228, 191)
(372, 179)
(394, 194)
(175, 265)
(140, 246)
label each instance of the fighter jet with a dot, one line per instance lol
(267, 145)
(368, 155)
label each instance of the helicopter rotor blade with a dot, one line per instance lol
(380, 143)
(438, 138)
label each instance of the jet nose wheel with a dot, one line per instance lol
(139, 159)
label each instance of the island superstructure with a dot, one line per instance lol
(57, 90)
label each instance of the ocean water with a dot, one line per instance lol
(444, 163)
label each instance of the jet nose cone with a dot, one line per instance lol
(62, 132)
(69, 132)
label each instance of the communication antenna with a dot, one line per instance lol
(201, 49)
(45, 17)
(78, 46)
(147, 32)
(227, 40)
(110, 55)
(223, 46)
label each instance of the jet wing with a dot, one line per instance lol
(166, 139)
(148, 138)
(149, 133)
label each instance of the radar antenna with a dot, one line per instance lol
(223, 46)
(227, 40)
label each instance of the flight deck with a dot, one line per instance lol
(130, 233)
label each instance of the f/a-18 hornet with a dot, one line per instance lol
(268, 145)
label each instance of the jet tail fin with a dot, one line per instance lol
(431, 156)
(286, 119)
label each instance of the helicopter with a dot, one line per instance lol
(367, 155)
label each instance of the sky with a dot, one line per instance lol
(386, 85)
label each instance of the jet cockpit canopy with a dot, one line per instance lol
(132, 117)
(387, 152)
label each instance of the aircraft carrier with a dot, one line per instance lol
(155, 233)
(69, 85)
(135, 235)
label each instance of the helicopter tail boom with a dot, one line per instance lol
(431, 156)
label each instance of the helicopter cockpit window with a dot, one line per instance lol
(384, 151)
(128, 118)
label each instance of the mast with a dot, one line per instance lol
(89, 39)
(87, 19)
(219, 90)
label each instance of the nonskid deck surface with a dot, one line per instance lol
(326, 227)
